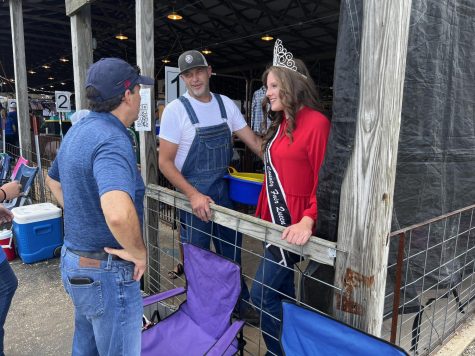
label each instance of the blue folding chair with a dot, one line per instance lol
(26, 176)
(308, 332)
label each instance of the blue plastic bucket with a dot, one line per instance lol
(244, 191)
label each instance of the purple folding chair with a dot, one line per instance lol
(202, 324)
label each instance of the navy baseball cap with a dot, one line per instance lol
(113, 76)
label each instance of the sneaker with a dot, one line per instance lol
(249, 314)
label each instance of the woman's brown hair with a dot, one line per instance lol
(297, 89)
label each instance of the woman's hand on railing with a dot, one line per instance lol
(299, 233)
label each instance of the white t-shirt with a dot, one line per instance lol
(176, 127)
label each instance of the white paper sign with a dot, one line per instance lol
(175, 89)
(63, 101)
(10, 102)
(144, 121)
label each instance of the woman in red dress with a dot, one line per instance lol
(294, 149)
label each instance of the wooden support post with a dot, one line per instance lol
(21, 86)
(148, 145)
(73, 6)
(81, 41)
(367, 191)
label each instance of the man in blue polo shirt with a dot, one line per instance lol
(95, 178)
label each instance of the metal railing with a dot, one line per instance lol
(430, 283)
(430, 289)
(164, 254)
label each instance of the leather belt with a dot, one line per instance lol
(96, 255)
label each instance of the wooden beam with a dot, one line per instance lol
(21, 85)
(81, 42)
(73, 6)
(148, 143)
(368, 186)
(316, 249)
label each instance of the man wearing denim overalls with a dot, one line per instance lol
(195, 152)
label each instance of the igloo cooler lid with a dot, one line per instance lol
(35, 212)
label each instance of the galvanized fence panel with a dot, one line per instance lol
(426, 298)
(164, 255)
(430, 285)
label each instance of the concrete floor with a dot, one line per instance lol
(463, 341)
(40, 320)
(470, 350)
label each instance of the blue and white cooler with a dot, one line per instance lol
(38, 230)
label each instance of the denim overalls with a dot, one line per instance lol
(204, 168)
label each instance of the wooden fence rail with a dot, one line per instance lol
(316, 249)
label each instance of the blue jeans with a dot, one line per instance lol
(108, 311)
(8, 286)
(227, 242)
(273, 283)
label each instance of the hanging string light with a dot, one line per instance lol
(267, 38)
(174, 16)
(120, 36)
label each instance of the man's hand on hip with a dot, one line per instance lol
(140, 262)
(200, 206)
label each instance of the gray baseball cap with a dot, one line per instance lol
(191, 59)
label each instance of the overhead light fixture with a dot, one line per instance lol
(64, 59)
(120, 36)
(50, 78)
(42, 88)
(31, 71)
(267, 38)
(206, 51)
(51, 86)
(63, 83)
(12, 80)
(165, 60)
(46, 66)
(174, 16)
